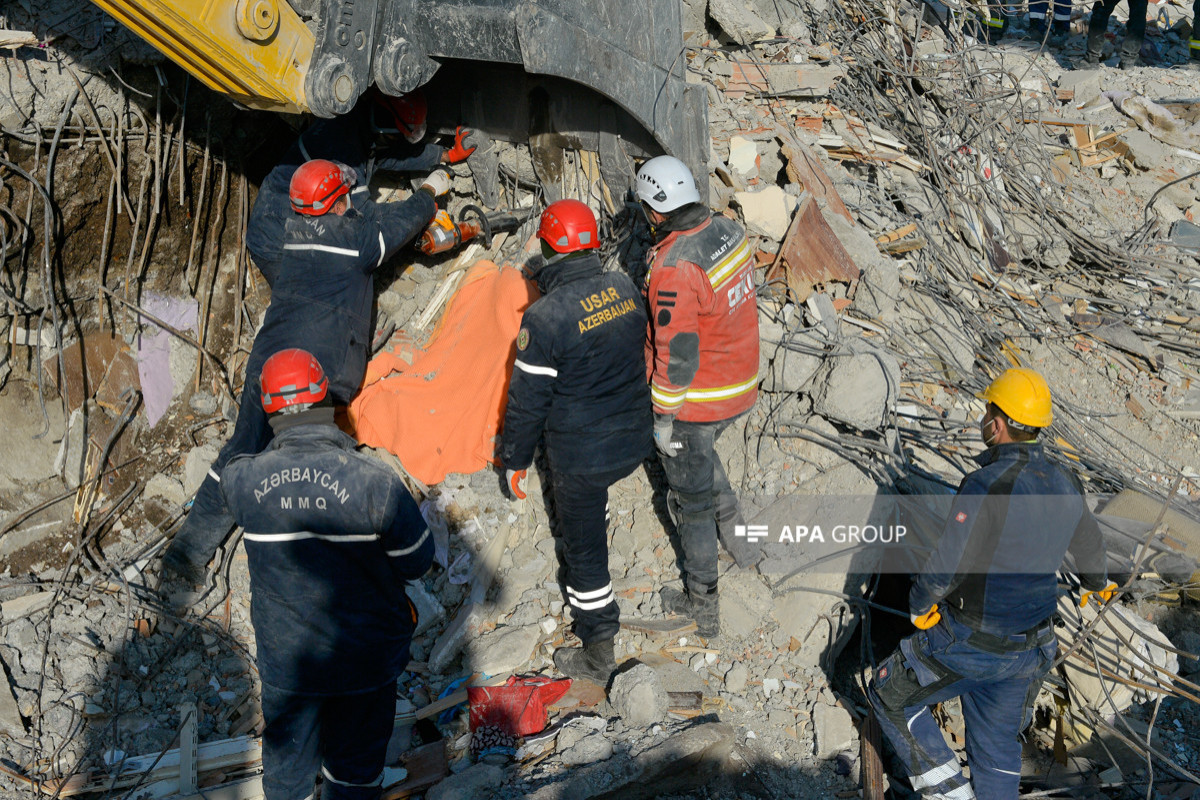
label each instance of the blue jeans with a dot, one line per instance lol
(581, 503)
(344, 737)
(996, 688)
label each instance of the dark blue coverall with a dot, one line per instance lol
(347, 140)
(993, 576)
(580, 378)
(331, 537)
(321, 301)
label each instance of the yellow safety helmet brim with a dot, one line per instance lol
(1023, 395)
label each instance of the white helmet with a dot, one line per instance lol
(665, 184)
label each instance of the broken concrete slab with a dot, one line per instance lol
(473, 783)
(743, 157)
(859, 391)
(638, 696)
(682, 762)
(167, 488)
(766, 212)
(11, 722)
(195, 467)
(591, 748)
(503, 650)
(739, 22)
(833, 730)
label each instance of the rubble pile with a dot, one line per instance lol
(926, 209)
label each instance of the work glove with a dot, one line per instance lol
(514, 479)
(464, 144)
(663, 428)
(438, 182)
(1102, 595)
(927, 620)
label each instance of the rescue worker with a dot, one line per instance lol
(331, 537)
(702, 363)
(380, 134)
(985, 603)
(579, 385)
(322, 302)
(1060, 25)
(1135, 32)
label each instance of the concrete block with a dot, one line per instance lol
(833, 730)
(639, 697)
(167, 488)
(195, 467)
(476, 782)
(859, 390)
(504, 650)
(743, 157)
(739, 22)
(767, 212)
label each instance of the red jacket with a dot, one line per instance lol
(702, 347)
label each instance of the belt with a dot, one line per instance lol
(1014, 642)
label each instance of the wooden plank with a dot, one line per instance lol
(804, 168)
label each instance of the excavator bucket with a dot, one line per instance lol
(321, 55)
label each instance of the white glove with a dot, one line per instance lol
(664, 426)
(438, 182)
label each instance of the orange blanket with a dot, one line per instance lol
(441, 412)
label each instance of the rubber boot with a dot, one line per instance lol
(594, 661)
(699, 603)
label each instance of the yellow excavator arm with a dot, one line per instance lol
(266, 54)
(256, 51)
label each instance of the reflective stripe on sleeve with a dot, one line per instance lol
(721, 392)
(324, 248)
(412, 549)
(300, 535)
(535, 370)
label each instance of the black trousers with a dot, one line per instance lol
(581, 502)
(1135, 31)
(343, 737)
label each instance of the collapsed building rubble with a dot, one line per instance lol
(926, 210)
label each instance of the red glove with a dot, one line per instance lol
(464, 145)
(516, 482)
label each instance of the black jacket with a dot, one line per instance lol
(580, 373)
(331, 536)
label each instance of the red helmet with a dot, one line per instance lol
(316, 185)
(291, 377)
(404, 115)
(567, 226)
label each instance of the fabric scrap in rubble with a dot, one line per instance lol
(154, 351)
(441, 412)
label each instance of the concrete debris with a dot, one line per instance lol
(899, 267)
(859, 391)
(477, 782)
(589, 749)
(834, 730)
(766, 212)
(739, 21)
(638, 696)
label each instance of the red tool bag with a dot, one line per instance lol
(518, 707)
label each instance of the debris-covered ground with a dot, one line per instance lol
(927, 209)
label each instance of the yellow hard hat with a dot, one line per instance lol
(1023, 396)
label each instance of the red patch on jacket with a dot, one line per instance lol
(960, 516)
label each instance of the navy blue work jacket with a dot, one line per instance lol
(580, 373)
(332, 536)
(1013, 521)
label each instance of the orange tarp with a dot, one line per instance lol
(441, 412)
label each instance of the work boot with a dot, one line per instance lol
(1037, 30)
(700, 604)
(1095, 51)
(593, 661)
(1059, 31)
